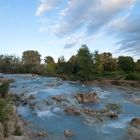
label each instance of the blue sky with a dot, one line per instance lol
(60, 27)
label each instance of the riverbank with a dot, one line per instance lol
(12, 126)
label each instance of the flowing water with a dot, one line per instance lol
(49, 116)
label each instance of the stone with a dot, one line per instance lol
(68, 133)
(72, 111)
(112, 115)
(133, 133)
(32, 97)
(41, 134)
(87, 98)
(135, 122)
(57, 98)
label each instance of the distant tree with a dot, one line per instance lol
(31, 57)
(98, 65)
(126, 63)
(9, 63)
(73, 63)
(85, 63)
(63, 67)
(31, 60)
(109, 63)
(138, 65)
(50, 65)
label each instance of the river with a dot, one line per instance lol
(50, 116)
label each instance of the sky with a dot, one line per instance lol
(60, 27)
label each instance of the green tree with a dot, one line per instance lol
(50, 65)
(126, 63)
(98, 65)
(85, 63)
(138, 65)
(109, 63)
(31, 57)
(31, 60)
(63, 67)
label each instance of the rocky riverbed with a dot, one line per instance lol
(61, 110)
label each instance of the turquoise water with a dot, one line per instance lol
(51, 118)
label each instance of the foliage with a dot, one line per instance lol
(31, 57)
(133, 76)
(82, 66)
(50, 65)
(5, 109)
(4, 87)
(126, 63)
(84, 63)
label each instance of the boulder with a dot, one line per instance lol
(112, 115)
(41, 134)
(87, 98)
(72, 111)
(57, 98)
(135, 122)
(68, 133)
(134, 133)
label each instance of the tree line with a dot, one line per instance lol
(83, 66)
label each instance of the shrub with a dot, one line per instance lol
(5, 109)
(133, 76)
(4, 87)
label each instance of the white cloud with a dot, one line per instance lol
(117, 17)
(91, 14)
(46, 5)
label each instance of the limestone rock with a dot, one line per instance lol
(87, 98)
(72, 111)
(68, 133)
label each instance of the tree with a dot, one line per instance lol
(31, 57)
(109, 63)
(126, 63)
(50, 65)
(31, 60)
(85, 63)
(98, 65)
(63, 67)
(138, 65)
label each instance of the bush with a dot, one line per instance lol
(4, 88)
(5, 109)
(133, 76)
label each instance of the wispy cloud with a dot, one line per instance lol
(120, 18)
(46, 5)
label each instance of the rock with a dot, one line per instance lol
(57, 98)
(32, 105)
(41, 134)
(46, 102)
(1, 132)
(72, 111)
(68, 133)
(112, 115)
(87, 98)
(18, 138)
(88, 111)
(2, 80)
(114, 107)
(134, 133)
(32, 97)
(135, 122)
(137, 100)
